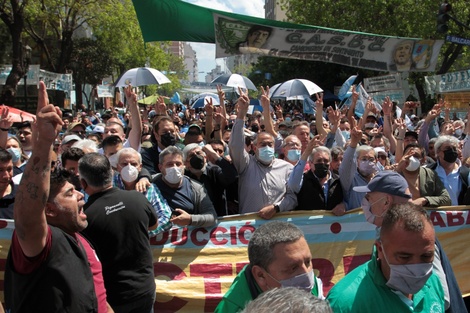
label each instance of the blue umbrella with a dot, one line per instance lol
(255, 105)
(199, 101)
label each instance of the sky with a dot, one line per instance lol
(206, 52)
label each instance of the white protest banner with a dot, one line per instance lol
(105, 91)
(381, 83)
(450, 82)
(56, 81)
(361, 50)
(31, 79)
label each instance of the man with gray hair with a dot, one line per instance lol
(279, 257)
(448, 167)
(287, 300)
(262, 177)
(187, 198)
(118, 223)
(318, 188)
(399, 277)
(358, 167)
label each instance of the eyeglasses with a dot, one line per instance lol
(79, 132)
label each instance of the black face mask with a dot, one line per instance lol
(167, 139)
(254, 128)
(197, 162)
(321, 170)
(450, 155)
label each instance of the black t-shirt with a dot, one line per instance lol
(118, 222)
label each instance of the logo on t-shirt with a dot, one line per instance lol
(114, 208)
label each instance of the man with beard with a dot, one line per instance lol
(164, 135)
(261, 173)
(50, 266)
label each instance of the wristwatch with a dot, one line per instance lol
(276, 207)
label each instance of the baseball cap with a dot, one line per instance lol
(380, 150)
(70, 138)
(98, 129)
(72, 125)
(388, 182)
(199, 130)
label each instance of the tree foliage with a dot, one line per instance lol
(91, 38)
(404, 18)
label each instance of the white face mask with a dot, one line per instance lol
(129, 173)
(408, 278)
(367, 209)
(459, 132)
(174, 175)
(304, 281)
(414, 164)
(113, 159)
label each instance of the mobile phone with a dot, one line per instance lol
(175, 214)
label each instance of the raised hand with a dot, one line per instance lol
(5, 119)
(356, 136)
(355, 94)
(209, 107)
(387, 106)
(221, 93)
(49, 118)
(319, 102)
(160, 106)
(265, 100)
(243, 102)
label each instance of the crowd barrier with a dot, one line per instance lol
(194, 267)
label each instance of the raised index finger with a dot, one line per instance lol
(43, 98)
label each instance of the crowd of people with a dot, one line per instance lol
(87, 191)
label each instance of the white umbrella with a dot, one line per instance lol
(235, 80)
(142, 76)
(294, 89)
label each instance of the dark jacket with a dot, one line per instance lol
(464, 195)
(311, 196)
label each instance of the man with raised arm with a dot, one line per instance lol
(262, 177)
(50, 266)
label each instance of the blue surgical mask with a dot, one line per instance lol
(346, 134)
(293, 155)
(15, 153)
(266, 154)
(304, 281)
(288, 119)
